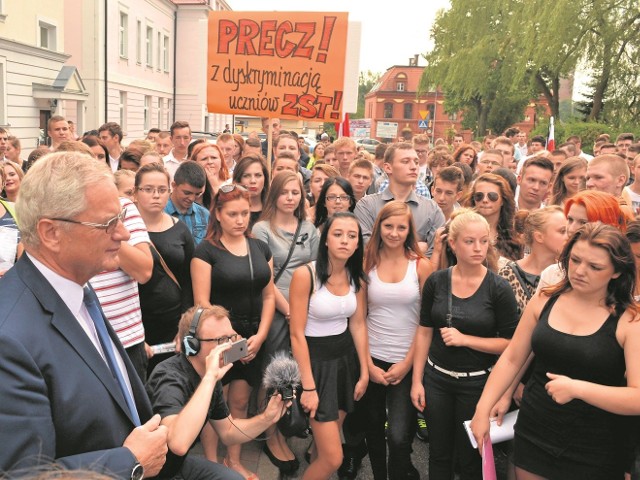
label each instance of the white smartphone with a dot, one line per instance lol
(237, 351)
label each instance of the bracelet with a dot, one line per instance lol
(309, 389)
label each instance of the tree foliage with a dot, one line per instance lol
(488, 55)
(366, 81)
(470, 62)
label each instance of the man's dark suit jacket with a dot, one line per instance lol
(58, 398)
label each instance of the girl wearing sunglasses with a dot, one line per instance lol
(235, 271)
(492, 198)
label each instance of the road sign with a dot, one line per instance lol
(422, 124)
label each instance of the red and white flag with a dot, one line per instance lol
(551, 141)
(342, 128)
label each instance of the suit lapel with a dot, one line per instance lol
(67, 325)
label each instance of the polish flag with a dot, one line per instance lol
(342, 128)
(551, 141)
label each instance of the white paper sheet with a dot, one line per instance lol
(8, 247)
(497, 433)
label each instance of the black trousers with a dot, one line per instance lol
(450, 402)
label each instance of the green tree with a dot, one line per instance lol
(366, 81)
(472, 63)
(599, 36)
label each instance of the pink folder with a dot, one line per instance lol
(488, 463)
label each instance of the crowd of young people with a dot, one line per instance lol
(424, 281)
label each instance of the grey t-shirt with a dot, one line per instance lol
(279, 243)
(427, 215)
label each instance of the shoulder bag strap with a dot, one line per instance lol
(165, 266)
(251, 280)
(516, 271)
(449, 317)
(291, 248)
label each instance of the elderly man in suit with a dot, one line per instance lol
(69, 393)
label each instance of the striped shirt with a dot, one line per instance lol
(118, 292)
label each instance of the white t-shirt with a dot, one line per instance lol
(635, 198)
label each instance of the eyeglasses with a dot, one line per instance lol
(491, 162)
(108, 227)
(230, 187)
(492, 196)
(221, 340)
(336, 198)
(422, 152)
(151, 190)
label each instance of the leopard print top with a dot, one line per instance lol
(509, 274)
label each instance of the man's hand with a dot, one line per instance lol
(276, 408)
(214, 370)
(148, 443)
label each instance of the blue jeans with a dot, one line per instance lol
(450, 402)
(392, 402)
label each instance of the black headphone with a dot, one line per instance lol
(190, 343)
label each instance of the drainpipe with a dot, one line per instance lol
(106, 62)
(175, 49)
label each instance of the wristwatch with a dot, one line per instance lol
(138, 472)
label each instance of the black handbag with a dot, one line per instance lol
(295, 421)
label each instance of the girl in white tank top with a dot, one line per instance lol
(328, 337)
(397, 270)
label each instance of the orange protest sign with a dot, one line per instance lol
(277, 64)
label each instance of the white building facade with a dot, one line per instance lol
(141, 63)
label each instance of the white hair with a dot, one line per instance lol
(55, 187)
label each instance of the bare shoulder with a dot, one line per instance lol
(536, 304)
(424, 268)
(629, 325)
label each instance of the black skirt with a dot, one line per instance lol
(336, 370)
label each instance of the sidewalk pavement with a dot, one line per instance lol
(255, 460)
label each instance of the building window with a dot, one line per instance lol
(3, 91)
(147, 112)
(165, 53)
(124, 34)
(453, 117)
(47, 34)
(388, 110)
(139, 42)
(3, 15)
(168, 115)
(159, 122)
(408, 110)
(400, 87)
(122, 110)
(149, 41)
(159, 52)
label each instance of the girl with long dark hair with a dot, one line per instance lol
(328, 337)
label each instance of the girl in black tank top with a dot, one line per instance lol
(584, 334)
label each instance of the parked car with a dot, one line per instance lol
(369, 144)
(209, 137)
